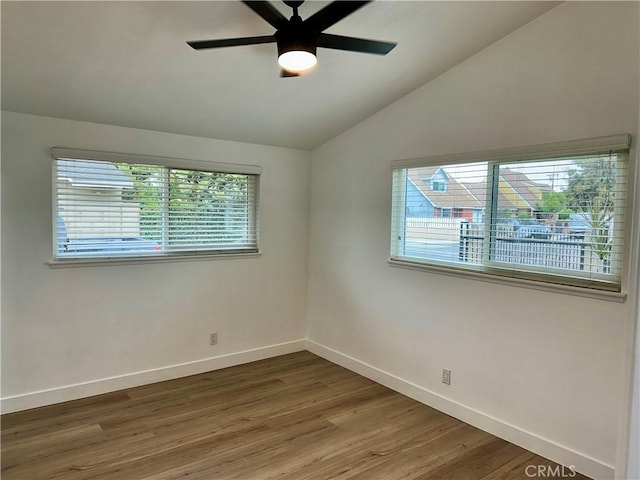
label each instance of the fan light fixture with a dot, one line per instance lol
(297, 60)
(296, 54)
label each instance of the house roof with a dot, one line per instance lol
(515, 190)
(507, 197)
(81, 173)
(456, 195)
(478, 190)
(527, 189)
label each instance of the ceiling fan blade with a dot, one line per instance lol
(286, 74)
(268, 12)
(332, 13)
(231, 42)
(338, 42)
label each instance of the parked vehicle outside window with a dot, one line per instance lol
(579, 225)
(529, 228)
(110, 245)
(101, 246)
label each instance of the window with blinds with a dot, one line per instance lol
(556, 216)
(111, 205)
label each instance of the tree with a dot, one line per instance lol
(591, 183)
(209, 202)
(203, 207)
(591, 191)
(554, 202)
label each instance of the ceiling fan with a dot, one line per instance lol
(298, 39)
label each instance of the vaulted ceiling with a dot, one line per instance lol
(127, 64)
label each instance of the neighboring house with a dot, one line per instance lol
(523, 194)
(517, 193)
(432, 192)
(508, 197)
(86, 214)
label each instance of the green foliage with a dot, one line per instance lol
(592, 184)
(208, 204)
(203, 207)
(591, 191)
(564, 214)
(552, 202)
(600, 220)
(147, 192)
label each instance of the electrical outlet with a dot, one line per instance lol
(446, 376)
(213, 338)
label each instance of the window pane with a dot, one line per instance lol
(557, 214)
(208, 208)
(99, 209)
(559, 219)
(116, 209)
(440, 204)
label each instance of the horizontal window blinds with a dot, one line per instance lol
(106, 208)
(559, 219)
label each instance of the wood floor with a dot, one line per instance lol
(292, 417)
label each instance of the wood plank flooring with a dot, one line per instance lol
(293, 417)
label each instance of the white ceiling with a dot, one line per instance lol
(126, 63)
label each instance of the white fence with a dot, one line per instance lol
(433, 229)
(456, 237)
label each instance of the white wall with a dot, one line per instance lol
(63, 327)
(549, 366)
(633, 450)
(544, 369)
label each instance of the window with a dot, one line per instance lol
(439, 186)
(553, 213)
(114, 205)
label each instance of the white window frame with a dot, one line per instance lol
(58, 153)
(498, 272)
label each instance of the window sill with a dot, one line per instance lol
(138, 260)
(514, 282)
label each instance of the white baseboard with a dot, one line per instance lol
(112, 384)
(542, 446)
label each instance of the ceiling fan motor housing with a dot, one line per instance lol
(295, 37)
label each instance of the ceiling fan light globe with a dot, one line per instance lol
(297, 60)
